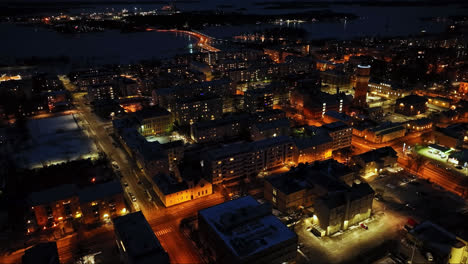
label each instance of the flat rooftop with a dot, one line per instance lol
(139, 240)
(246, 226)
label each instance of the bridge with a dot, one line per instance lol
(204, 41)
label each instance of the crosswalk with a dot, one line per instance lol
(164, 231)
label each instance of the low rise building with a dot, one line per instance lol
(218, 130)
(154, 121)
(411, 105)
(445, 247)
(339, 210)
(453, 136)
(264, 130)
(387, 90)
(238, 160)
(101, 202)
(302, 185)
(340, 133)
(91, 204)
(374, 161)
(384, 132)
(317, 147)
(54, 205)
(334, 116)
(244, 231)
(419, 125)
(440, 102)
(204, 107)
(137, 242)
(103, 91)
(42, 253)
(258, 100)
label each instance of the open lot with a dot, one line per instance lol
(400, 197)
(440, 158)
(54, 140)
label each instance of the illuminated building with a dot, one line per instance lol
(463, 88)
(92, 77)
(339, 210)
(173, 190)
(318, 147)
(232, 162)
(386, 90)
(218, 130)
(41, 253)
(315, 104)
(276, 128)
(453, 136)
(168, 97)
(92, 204)
(136, 241)
(335, 79)
(362, 82)
(340, 133)
(154, 121)
(258, 100)
(98, 92)
(303, 185)
(101, 202)
(323, 65)
(127, 87)
(334, 116)
(440, 102)
(444, 245)
(411, 105)
(54, 205)
(382, 133)
(419, 125)
(374, 161)
(204, 107)
(243, 231)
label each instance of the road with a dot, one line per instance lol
(164, 221)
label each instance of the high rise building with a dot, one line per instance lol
(362, 82)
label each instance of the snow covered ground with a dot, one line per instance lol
(54, 140)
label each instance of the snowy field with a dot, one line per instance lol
(54, 140)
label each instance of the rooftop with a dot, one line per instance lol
(335, 126)
(377, 154)
(61, 192)
(247, 227)
(42, 253)
(139, 240)
(99, 191)
(435, 237)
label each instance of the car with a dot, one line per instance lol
(300, 245)
(125, 184)
(364, 226)
(443, 156)
(429, 256)
(382, 175)
(447, 168)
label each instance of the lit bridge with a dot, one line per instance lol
(204, 41)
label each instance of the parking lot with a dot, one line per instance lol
(400, 196)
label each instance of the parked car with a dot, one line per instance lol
(125, 184)
(429, 256)
(364, 226)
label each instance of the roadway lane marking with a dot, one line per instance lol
(164, 231)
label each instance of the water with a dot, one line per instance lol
(89, 48)
(116, 47)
